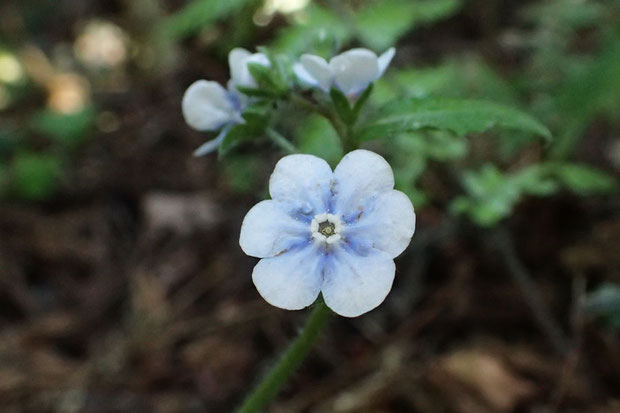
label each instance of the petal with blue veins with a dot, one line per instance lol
(303, 181)
(359, 177)
(268, 230)
(355, 284)
(292, 280)
(386, 223)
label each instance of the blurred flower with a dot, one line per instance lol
(68, 93)
(10, 69)
(207, 106)
(238, 60)
(265, 14)
(351, 71)
(101, 44)
(335, 233)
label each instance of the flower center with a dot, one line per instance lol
(326, 228)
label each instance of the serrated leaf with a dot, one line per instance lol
(460, 116)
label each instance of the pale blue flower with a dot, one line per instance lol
(335, 233)
(208, 106)
(351, 71)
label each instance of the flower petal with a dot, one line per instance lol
(315, 71)
(355, 284)
(206, 106)
(385, 59)
(354, 69)
(212, 145)
(267, 230)
(387, 223)
(302, 181)
(360, 176)
(238, 60)
(292, 280)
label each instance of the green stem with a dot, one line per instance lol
(343, 130)
(281, 141)
(270, 384)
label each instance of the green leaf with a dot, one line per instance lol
(256, 120)
(34, 176)
(381, 23)
(583, 179)
(320, 32)
(361, 101)
(460, 116)
(342, 106)
(317, 137)
(199, 14)
(62, 128)
(492, 194)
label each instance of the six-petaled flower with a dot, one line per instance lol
(335, 233)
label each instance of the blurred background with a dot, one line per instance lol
(122, 285)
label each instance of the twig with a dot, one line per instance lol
(529, 290)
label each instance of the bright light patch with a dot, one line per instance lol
(101, 44)
(10, 69)
(265, 14)
(68, 93)
(285, 6)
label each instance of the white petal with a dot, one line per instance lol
(303, 181)
(212, 145)
(267, 230)
(292, 280)
(315, 71)
(355, 284)
(360, 176)
(304, 76)
(206, 106)
(238, 60)
(385, 59)
(387, 223)
(354, 70)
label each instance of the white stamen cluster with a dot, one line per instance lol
(329, 233)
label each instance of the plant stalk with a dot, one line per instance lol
(292, 358)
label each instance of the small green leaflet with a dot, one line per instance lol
(459, 116)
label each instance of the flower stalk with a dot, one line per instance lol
(268, 387)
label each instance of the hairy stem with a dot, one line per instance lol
(268, 387)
